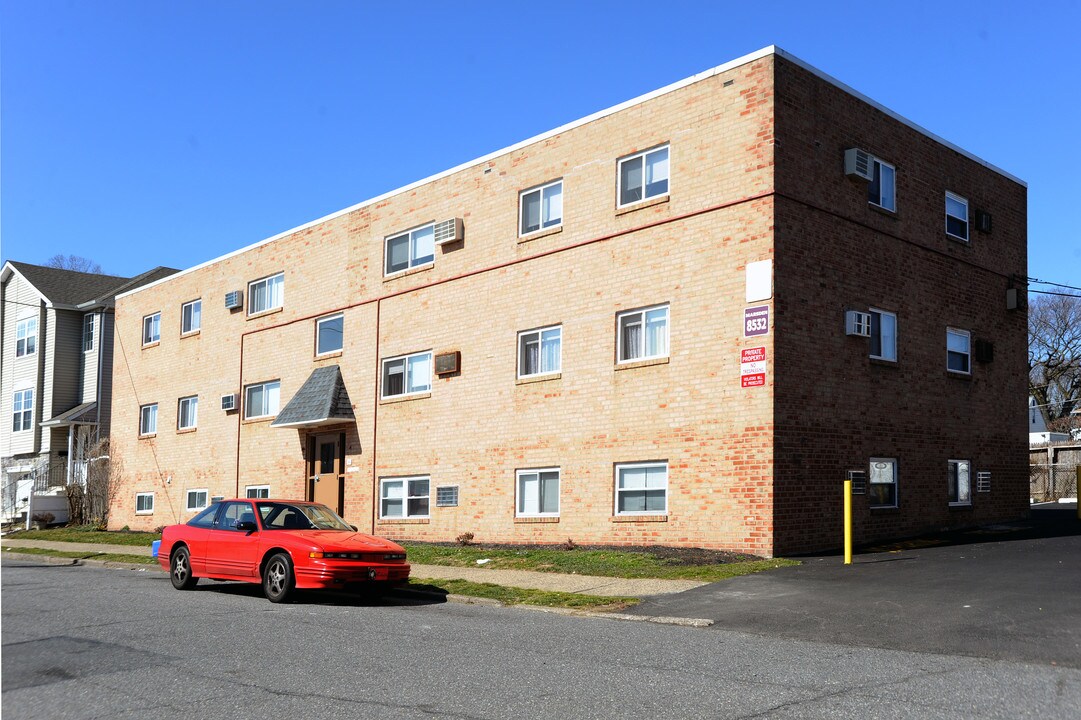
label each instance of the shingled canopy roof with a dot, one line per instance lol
(321, 400)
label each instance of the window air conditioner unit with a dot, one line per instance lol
(857, 323)
(985, 351)
(449, 231)
(983, 221)
(859, 481)
(859, 164)
(447, 363)
(234, 299)
(228, 402)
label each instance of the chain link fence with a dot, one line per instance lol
(1048, 483)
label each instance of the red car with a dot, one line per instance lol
(283, 544)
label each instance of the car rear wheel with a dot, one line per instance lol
(180, 570)
(278, 578)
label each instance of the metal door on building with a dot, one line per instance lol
(326, 478)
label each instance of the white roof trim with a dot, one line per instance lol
(751, 57)
(10, 270)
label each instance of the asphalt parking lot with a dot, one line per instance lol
(1004, 592)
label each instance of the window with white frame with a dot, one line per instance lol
(538, 493)
(329, 334)
(956, 216)
(148, 419)
(410, 249)
(882, 482)
(404, 497)
(88, 332)
(642, 488)
(883, 335)
(144, 503)
(266, 294)
(26, 337)
(539, 351)
(22, 406)
(187, 413)
(958, 351)
(960, 484)
(881, 190)
(257, 492)
(191, 317)
(262, 399)
(643, 334)
(197, 499)
(152, 328)
(541, 208)
(643, 176)
(407, 375)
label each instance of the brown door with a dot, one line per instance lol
(329, 473)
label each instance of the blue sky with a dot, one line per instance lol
(170, 133)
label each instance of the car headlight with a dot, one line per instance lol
(337, 555)
(394, 556)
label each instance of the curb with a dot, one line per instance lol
(77, 562)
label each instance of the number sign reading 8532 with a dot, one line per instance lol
(756, 321)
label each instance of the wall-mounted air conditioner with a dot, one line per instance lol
(859, 164)
(984, 351)
(234, 299)
(449, 231)
(857, 323)
(859, 481)
(447, 363)
(228, 402)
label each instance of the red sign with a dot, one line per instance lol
(756, 380)
(757, 354)
(752, 367)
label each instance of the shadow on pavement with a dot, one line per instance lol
(395, 597)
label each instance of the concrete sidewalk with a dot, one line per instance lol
(582, 584)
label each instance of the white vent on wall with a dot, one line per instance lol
(859, 164)
(857, 323)
(449, 231)
(228, 402)
(859, 481)
(233, 299)
(983, 481)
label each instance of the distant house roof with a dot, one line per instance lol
(76, 289)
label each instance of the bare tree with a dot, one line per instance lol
(74, 262)
(1054, 359)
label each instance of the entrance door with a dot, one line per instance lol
(328, 476)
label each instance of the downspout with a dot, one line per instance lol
(375, 417)
(71, 450)
(239, 413)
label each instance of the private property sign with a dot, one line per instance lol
(752, 367)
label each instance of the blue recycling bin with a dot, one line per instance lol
(154, 548)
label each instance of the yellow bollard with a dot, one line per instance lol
(848, 518)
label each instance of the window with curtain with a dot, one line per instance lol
(152, 328)
(641, 488)
(262, 399)
(404, 497)
(643, 176)
(191, 317)
(883, 335)
(541, 207)
(187, 413)
(960, 484)
(538, 492)
(266, 294)
(643, 334)
(148, 419)
(882, 482)
(881, 190)
(407, 375)
(410, 249)
(540, 351)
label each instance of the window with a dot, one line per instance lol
(446, 496)
(329, 334)
(404, 498)
(539, 351)
(643, 334)
(538, 493)
(642, 488)
(144, 503)
(88, 332)
(266, 294)
(191, 317)
(148, 419)
(883, 335)
(542, 207)
(956, 216)
(957, 351)
(152, 328)
(187, 413)
(205, 519)
(26, 337)
(197, 499)
(960, 483)
(410, 249)
(407, 375)
(643, 176)
(881, 190)
(883, 482)
(257, 492)
(22, 406)
(261, 400)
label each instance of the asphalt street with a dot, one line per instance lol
(91, 642)
(1007, 592)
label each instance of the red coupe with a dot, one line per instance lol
(283, 544)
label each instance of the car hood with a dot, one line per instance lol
(355, 541)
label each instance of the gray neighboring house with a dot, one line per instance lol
(56, 355)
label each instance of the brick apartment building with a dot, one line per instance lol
(684, 320)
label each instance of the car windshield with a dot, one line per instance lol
(286, 516)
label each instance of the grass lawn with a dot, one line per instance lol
(88, 534)
(114, 557)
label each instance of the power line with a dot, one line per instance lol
(1037, 281)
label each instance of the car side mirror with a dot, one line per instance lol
(246, 526)
(355, 528)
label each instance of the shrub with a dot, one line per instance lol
(465, 538)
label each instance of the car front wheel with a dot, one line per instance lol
(278, 579)
(180, 570)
